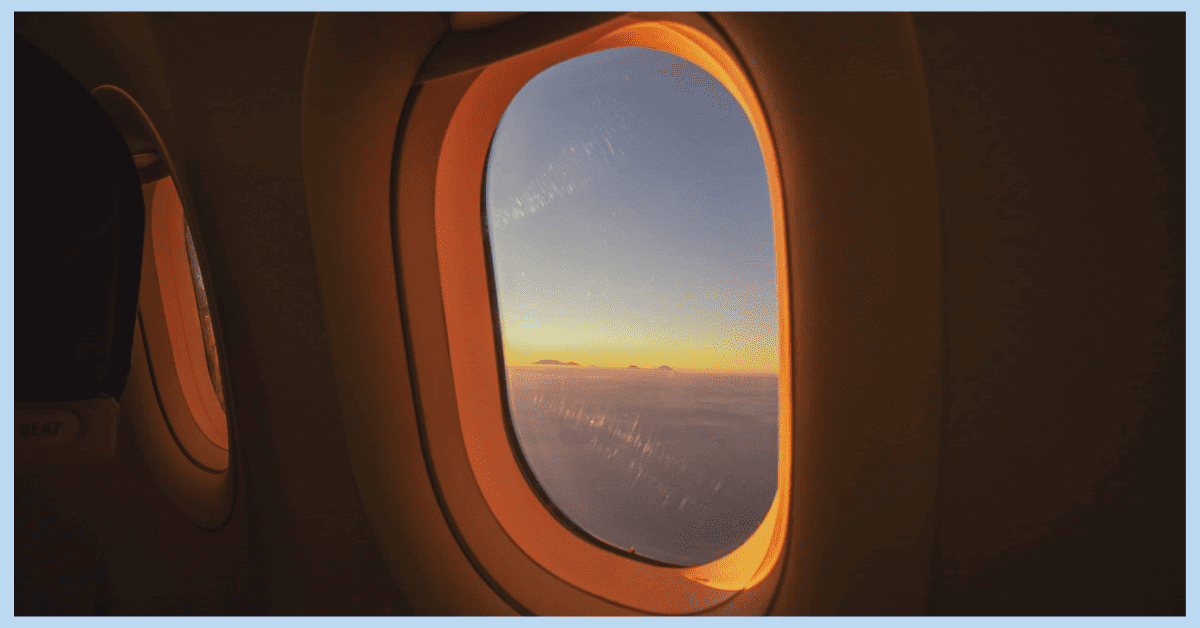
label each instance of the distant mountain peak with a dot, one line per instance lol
(665, 368)
(557, 363)
(632, 366)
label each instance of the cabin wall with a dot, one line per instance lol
(1046, 452)
(237, 81)
(1060, 153)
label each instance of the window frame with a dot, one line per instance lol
(512, 540)
(170, 390)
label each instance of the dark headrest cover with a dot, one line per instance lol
(79, 221)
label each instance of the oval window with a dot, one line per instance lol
(631, 241)
(174, 398)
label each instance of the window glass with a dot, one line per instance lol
(210, 343)
(632, 249)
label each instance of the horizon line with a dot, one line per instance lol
(644, 368)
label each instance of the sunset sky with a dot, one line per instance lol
(630, 219)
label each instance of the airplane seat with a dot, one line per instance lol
(79, 222)
(78, 233)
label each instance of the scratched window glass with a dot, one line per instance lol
(632, 248)
(206, 329)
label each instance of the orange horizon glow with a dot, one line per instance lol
(751, 347)
(644, 360)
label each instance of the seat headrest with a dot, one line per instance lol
(79, 221)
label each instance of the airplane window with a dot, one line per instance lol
(210, 344)
(174, 397)
(632, 248)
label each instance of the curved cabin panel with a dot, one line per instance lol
(981, 219)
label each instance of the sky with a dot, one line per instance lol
(630, 219)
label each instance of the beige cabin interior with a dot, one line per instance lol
(985, 218)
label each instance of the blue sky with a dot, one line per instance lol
(628, 210)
